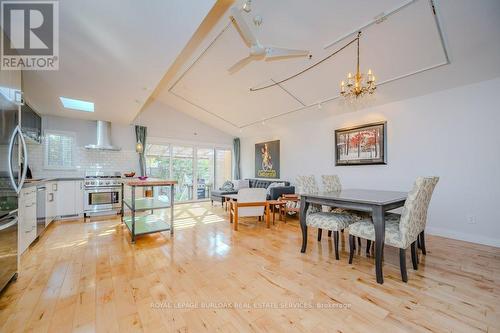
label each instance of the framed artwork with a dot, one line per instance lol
(361, 145)
(267, 159)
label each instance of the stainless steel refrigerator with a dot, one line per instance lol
(13, 163)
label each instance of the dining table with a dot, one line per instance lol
(375, 202)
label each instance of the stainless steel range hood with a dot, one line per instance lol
(103, 137)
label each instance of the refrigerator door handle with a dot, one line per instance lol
(25, 164)
(17, 131)
(8, 225)
(9, 157)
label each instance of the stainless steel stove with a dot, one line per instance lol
(103, 192)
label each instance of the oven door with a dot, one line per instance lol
(100, 199)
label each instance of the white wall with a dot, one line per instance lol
(163, 123)
(453, 134)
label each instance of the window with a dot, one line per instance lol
(76, 104)
(223, 166)
(182, 171)
(158, 161)
(205, 172)
(59, 150)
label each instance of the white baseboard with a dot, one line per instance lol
(462, 236)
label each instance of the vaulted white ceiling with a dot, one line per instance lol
(406, 43)
(113, 53)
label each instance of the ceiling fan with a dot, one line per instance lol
(257, 50)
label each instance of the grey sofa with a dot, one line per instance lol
(275, 192)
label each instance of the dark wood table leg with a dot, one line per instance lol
(303, 209)
(379, 224)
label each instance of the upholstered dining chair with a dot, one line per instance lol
(331, 183)
(401, 231)
(315, 217)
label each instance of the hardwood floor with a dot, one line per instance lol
(87, 277)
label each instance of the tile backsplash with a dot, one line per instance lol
(84, 159)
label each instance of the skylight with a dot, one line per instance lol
(76, 104)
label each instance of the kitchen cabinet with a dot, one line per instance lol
(31, 124)
(79, 197)
(69, 198)
(27, 218)
(51, 203)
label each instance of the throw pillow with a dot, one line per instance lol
(227, 186)
(241, 183)
(275, 184)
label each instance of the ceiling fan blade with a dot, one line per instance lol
(275, 52)
(240, 64)
(244, 30)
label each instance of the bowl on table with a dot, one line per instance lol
(143, 177)
(129, 174)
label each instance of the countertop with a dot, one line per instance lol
(38, 181)
(150, 182)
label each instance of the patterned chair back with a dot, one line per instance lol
(331, 183)
(414, 215)
(306, 184)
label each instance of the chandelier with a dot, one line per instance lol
(360, 84)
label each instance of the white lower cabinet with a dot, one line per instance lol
(27, 218)
(69, 198)
(64, 198)
(50, 203)
(79, 197)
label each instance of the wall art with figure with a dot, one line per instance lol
(267, 159)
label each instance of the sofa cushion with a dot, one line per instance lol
(257, 183)
(273, 184)
(219, 193)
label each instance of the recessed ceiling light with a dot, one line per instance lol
(75, 104)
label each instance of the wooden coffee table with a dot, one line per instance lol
(269, 206)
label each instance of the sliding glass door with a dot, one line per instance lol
(158, 161)
(182, 171)
(223, 166)
(198, 170)
(205, 172)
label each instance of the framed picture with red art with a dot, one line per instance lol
(361, 145)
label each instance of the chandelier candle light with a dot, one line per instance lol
(359, 84)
